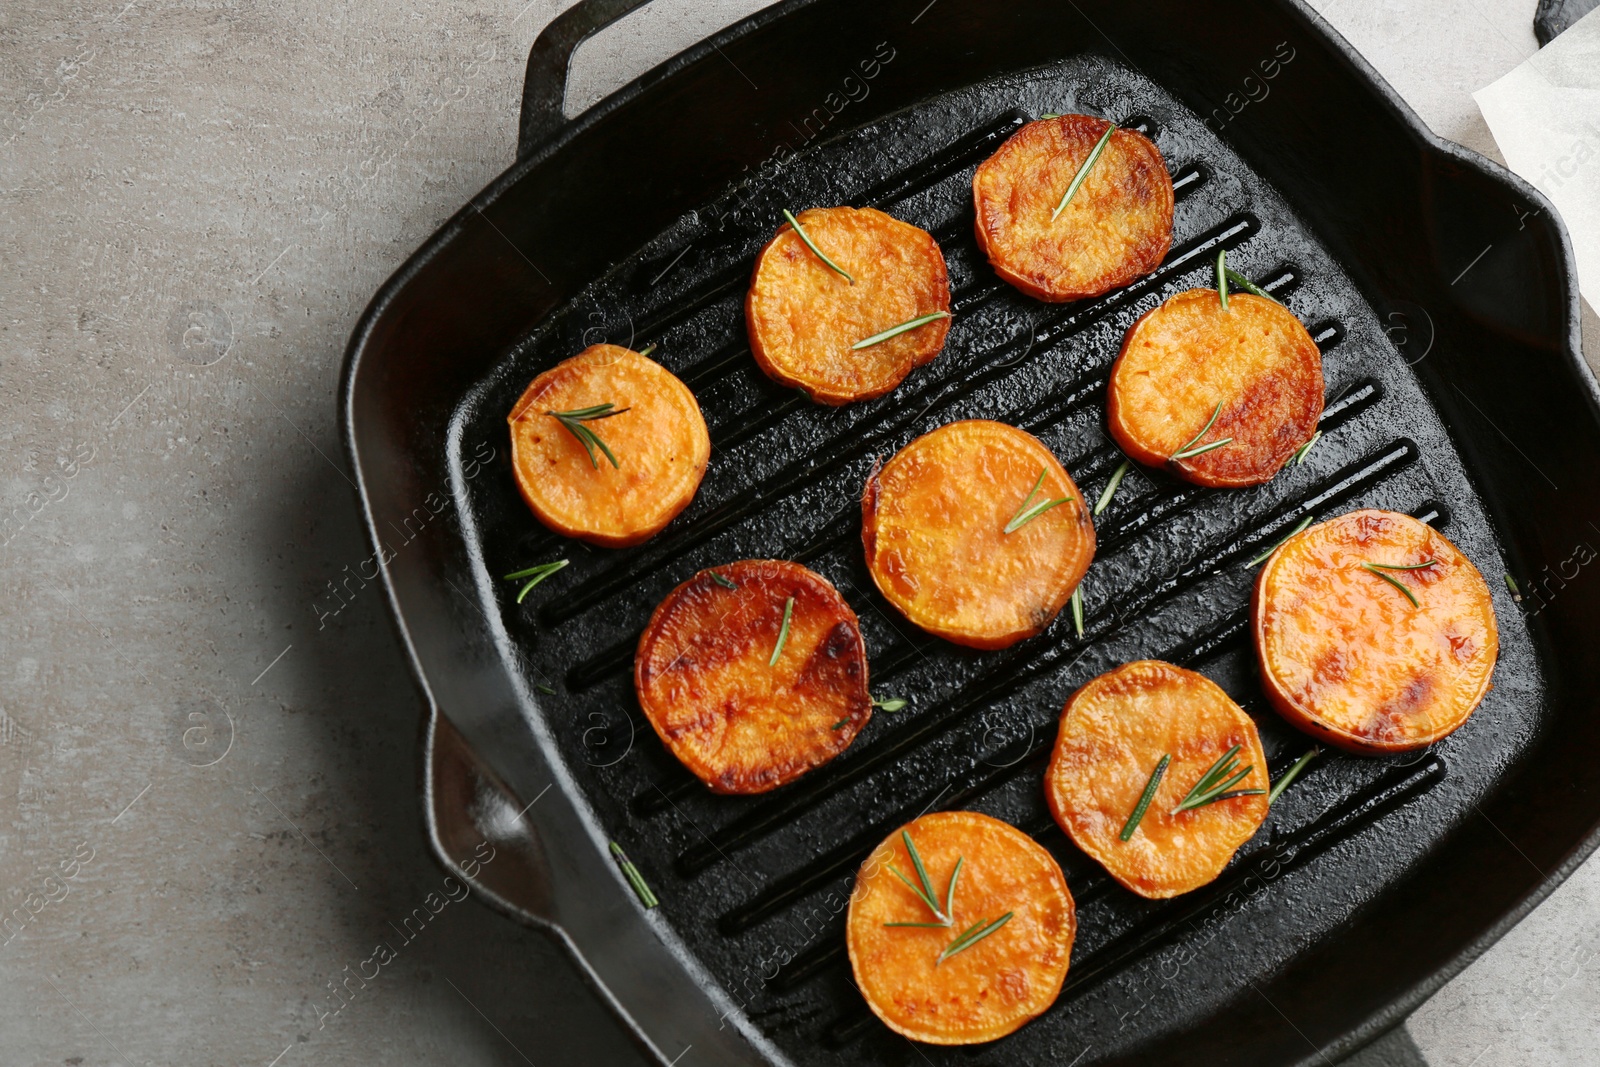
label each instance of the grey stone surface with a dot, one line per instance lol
(208, 809)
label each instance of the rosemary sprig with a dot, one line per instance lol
(1194, 447)
(1215, 784)
(1241, 282)
(1111, 487)
(1145, 798)
(971, 936)
(1083, 171)
(1380, 568)
(726, 583)
(635, 879)
(1222, 277)
(1077, 610)
(783, 633)
(896, 331)
(1029, 510)
(892, 705)
(806, 237)
(1291, 774)
(1280, 542)
(574, 421)
(924, 892)
(1304, 450)
(535, 575)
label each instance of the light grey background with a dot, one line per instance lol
(197, 198)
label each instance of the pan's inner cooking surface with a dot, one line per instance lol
(757, 886)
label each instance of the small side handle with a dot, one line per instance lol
(545, 87)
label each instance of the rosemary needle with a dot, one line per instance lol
(1280, 542)
(635, 879)
(1029, 510)
(535, 575)
(1083, 171)
(1291, 774)
(1145, 798)
(896, 331)
(647, 349)
(1304, 450)
(924, 892)
(841, 723)
(1380, 568)
(1077, 610)
(892, 705)
(971, 936)
(1194, 447)
(1222, 277)
(1241, 282)
(812, 245)
(1511, 584)
(574, 421)
(1111, 487)
(783, 633)
(545, 689)
(1215, 784)
(726, 583)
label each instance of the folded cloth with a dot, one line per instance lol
(1545, 116)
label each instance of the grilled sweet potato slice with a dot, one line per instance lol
(1182, 360)
(805, 317)
(1117, 227)
(1114, 732)
(653, 430)
(1347, 657)
(997, 983)
(934, 524)
(752, 686)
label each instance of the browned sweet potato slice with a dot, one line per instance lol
(934, 524)
(997, 983)
(1114, 732)
(1348, 658)
(708, 683)
(1117, 227)
(805, 318)
(1184, 358)
(656, 435)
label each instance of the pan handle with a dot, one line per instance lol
(545, 87)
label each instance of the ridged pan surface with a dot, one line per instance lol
(757, 886)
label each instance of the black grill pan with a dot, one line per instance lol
(1440, 289)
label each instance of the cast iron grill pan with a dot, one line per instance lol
(756, 887)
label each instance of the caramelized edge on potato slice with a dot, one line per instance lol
(1346, 656)
(1117, 227)
(1182, 360)
(658, 438)
(933, 524)
(1114, 732)
(706, 677)
(804, 318)
(989, 989)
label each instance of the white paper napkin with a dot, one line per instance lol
(1545, 116)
